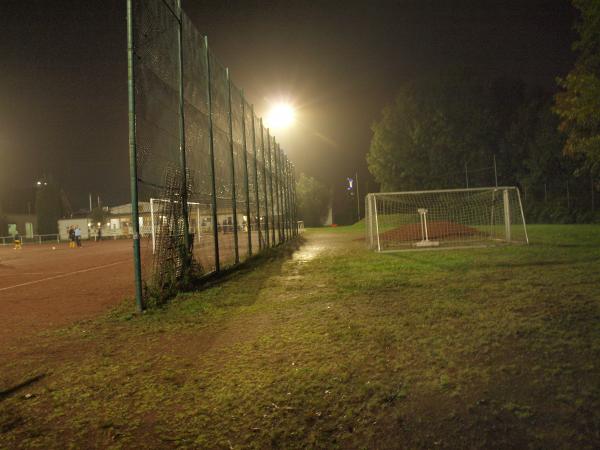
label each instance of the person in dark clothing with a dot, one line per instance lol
(71, 237)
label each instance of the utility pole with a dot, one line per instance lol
(90, 202)
(467, 175)
(592, 186)
(357, 196)
(495, 171)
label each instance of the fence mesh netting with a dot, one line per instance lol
(430, 219)
(213, 185)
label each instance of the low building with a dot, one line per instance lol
(117, 223)
(23, 224)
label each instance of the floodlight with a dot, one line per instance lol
(281, 116)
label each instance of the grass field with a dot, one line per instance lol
(332, 346)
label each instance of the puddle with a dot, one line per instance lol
(307, 253)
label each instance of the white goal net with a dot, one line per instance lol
(444, 218)
(161, 226)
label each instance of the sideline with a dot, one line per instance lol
(64, 275)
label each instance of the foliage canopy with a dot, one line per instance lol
(313, 199)
(578, 104)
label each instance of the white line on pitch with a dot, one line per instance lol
(16, 272)
(63, 275)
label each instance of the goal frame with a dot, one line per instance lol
(372, 227)
(153, 225)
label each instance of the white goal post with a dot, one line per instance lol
(444, 218)
(155, 218)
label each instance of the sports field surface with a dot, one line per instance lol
(49, 285)
(324, 344)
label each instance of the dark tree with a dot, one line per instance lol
(48, 207)
(313, 200)
(578, 104)
(99, 215)
(445, 132)
(433, 130)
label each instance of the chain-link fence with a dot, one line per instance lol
(210, 185)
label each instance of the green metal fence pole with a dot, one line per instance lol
(211, 149)
(246, 181)
(280, 191)
(271, 188)
(264, 158)
(233, 193)
(277, 216)
(286, 233)
(283, 196)
(135, 221)
(287, 198)
(290, 188)
(294, 201)
(256, 186)
(182, 156)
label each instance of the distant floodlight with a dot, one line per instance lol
(39, 183)
(281, 116)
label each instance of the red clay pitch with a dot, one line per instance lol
(42, 288)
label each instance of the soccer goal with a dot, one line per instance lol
(444, 218)
(161, 221)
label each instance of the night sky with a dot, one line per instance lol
(63, 81)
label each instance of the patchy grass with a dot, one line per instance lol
(335, 347)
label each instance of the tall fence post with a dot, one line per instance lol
(286, 197)
(182, 157)
(135, 221)
(246, 181)
(294, 206)
(232, 172)
(211, 150)
(284, 193)
(295, 201)
(271, 189)
(288, 202)
(256, 186)
(296, 211)
(277, 188)
(284, 218)
(264, 158)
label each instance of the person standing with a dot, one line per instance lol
(17, 240)
(78, 236)
(71, 237)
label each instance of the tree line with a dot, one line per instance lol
(457, 129)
